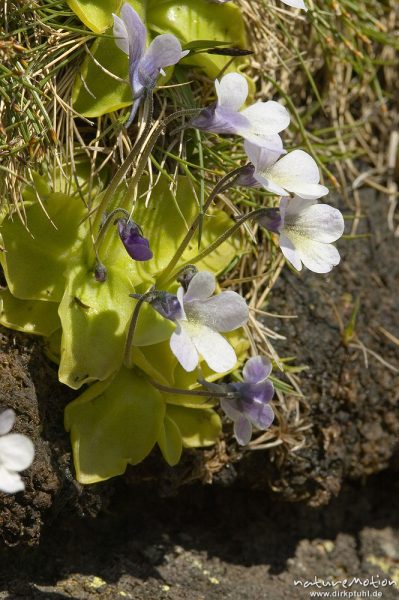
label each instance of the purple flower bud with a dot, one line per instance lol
(167, 305)
(100, 273)
(137, 246)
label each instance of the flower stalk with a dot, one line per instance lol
(224, 184)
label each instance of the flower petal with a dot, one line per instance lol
(267, 118)
(260, 414)
(256, 369)
(217, 119)
(120, 34)
(316, 256)
(7, 420)
(16, 451)
(184, 348)
(10, 482)
(243, 431)
(232, 91)
(164, 51)
(201, 287)
(290, 252)
(319, 222)
(258, 393)
(296, 4)
(136, 34)
(231, 408)
(296, 172)
(215, 350)
(225, 312)
(261, 158)
(136, 245)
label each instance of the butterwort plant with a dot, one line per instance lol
(145, 64)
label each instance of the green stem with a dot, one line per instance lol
(146, 150)
(252, 215)
(172, 390)
(226, 182)
(132, 327)
(123, 169)
(105, 226)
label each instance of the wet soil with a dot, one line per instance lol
(148, 535)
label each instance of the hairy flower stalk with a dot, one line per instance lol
(224, 184)
(137, 158)
(147, 297)
(222, 238)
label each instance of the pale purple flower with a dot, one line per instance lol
(296, 172)
(16, 454)
(306, 231)
(259, 123)
(145, 66)
(137, 246)
(251, 405)
(200, 316)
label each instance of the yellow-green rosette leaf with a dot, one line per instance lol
(30, 316)
(96, 93)
(191, 20)
(35, 260)
(95, 14)
(170, 442)
(198, 428)
(94, 319)
(113, 424)
(157, 361)
(52, 346)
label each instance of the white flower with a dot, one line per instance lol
(295, 3)
(259, 123)
(296, 172)
(201, 318)
(306, 232)
(16, 454)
